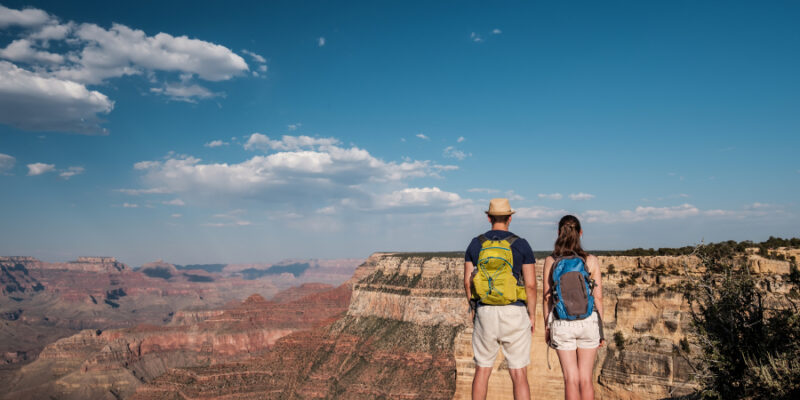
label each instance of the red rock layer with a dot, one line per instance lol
(94, 364)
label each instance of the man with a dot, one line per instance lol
(504, 308)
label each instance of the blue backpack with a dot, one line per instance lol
(572, 288)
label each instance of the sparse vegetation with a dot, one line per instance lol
(619, 340)
(684, 343)
(721, 248)
(750, 343)
(611, 269)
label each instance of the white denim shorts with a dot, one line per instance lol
(570, 335)
(507, 326)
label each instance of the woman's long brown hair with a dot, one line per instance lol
(569, 238)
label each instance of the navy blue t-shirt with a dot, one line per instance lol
(520, 250)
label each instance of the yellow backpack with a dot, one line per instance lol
(493, 282)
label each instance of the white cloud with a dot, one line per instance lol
(475, 37)
(174, 202)
(422, 136)
(6, 163)
(47, 91)
(321, 41)
(28, 17)
(176, 215)
(644, 213)
(581, 196)
(305, 176)
(40, 168)
(513, 196)
(32, 102)
(120, 51)
(421, 198)
(496, 31)
(70, 172)
(452, 152)
(228, 224)
(304, 170)
(189, 93)
(130, 205)
(329, 210)
(483, 190)
(294, 127)
(23, 50)
(757, 206)
(256, 57)
(460, 139)
(215, 143)
(550, 196)
(257, 141)
(137, 192)
(539, 213)
(53, 31)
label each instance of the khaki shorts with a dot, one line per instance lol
(508, 326)
(570, 335)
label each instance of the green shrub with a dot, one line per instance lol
(748, 350)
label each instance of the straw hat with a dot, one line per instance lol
(499, 207)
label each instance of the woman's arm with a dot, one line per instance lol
(546, 297)
(596, 274)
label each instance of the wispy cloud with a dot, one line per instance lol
(581, 196)
(215, 143)
(294, 127)
(452, 152)
(550, 196)
(476, 37)
(130, 205)
(321, 41)
(460, 139)
(6, 163)
(71, 171)
(422, 136)
(496, 31)
(483, 190)
(174, 202)
(138, 192)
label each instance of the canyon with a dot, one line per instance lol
(41, 302)
(398, 328)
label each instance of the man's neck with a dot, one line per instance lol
(500, 227)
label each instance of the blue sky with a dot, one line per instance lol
(228, 132)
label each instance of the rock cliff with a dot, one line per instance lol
(97, 364)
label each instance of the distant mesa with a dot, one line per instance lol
(97, 260)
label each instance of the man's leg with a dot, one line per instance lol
(519, 377)
(585, 369)
(480, 382)
(569, 367)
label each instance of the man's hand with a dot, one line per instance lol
(533, 323)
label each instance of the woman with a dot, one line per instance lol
(575, 341)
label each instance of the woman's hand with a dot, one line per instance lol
(602, 343)
(547, 335)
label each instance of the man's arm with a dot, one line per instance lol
(468, 278)
(529, 274)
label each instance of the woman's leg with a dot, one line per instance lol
(569, 367)
(586, 370)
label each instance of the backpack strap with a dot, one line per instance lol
(511, 239)
(482, 238)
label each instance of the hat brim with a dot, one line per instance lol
(500, 213)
